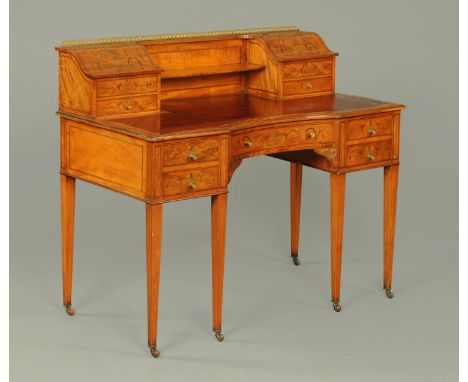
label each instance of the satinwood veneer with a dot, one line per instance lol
(171, 117)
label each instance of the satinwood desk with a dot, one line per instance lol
(170, 117)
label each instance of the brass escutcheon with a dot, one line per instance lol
(248, 143)
(192, 156)
(371, 156)
(372, 131)
(128, 107)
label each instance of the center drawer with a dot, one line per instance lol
(293, 136)
(191, 151)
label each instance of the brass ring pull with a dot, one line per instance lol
(372, 132)
(370, 156)
(312, 134)
(192, 156)
(308, 85)
(128, 106)
(192, 185)
(248, 143)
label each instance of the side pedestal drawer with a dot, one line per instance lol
(187, 182)
(368, 153)
(191, 151)
(376, 126)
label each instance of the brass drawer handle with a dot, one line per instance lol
(312, 134)
(308, 85)
(192, 185)
(370, 156)
(193, 157)
(248, 143)
(372, 132)
(128, 106)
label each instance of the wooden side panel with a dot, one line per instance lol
(396, 136)
(106, 158)
(75, 89)
(265, 82)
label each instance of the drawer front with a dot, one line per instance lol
(370, 127)
(190, 181)
(291, 136)
(190, 151)
(307, 86)
(127, 85)
(368, 153)
(308, 68)
(126, 105)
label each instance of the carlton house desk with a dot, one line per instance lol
(170, 117)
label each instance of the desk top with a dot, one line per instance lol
(208, 115)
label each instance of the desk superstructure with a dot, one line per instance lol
(171, 117)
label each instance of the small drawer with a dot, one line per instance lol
(307, 86)
(368, 153)
(308, 68)
(370, 127)
(190, 181)
(127, 85)
(126, 105)
(190, 151)
(294, 136)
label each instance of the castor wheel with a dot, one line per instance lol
(219, 336)
(389, 292)
(336, 306)
(70, 311)
(296, 260)
(154, 351)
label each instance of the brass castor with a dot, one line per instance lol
(154, 351)
(388, 292)
(296, 260)
(336, 306)
(70, 311)
(219, 336)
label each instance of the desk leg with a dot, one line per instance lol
(68, 220)
(218, 239)
(337, 198)
(296, 186)
(390, 203)
(153, 255)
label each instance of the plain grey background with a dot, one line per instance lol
(278, 321)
